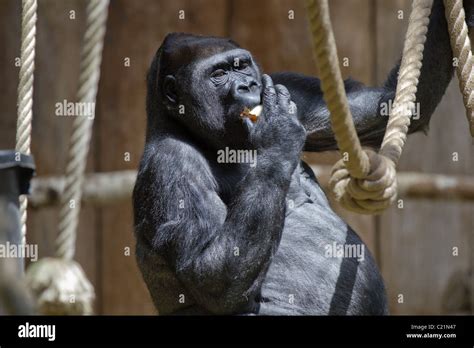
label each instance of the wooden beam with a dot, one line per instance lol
(113, 187)
(99, 189)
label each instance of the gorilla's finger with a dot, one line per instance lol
(284, 96)
(269, 96)
(267, 81)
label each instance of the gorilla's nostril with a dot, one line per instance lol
(246, 93)
(243, 89)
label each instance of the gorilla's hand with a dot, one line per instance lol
(278, 131)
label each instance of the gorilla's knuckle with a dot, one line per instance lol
(282, 90)
(269, 91)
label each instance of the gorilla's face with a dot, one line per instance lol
(218, 90)
(205, 83)
(230, 79)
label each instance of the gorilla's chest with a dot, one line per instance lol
(301, 278)
(310, 222)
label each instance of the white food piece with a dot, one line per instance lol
(257, 110)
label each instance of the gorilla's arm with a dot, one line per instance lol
(314, 115)
(219, 253)
(366, 102)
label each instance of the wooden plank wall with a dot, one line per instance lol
(413, 245)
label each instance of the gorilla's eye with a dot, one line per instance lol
(243, 66)
(219, 73)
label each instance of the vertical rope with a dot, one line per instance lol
(407, 83)
(91, 57)
(461, 46)
(25, 91)
(332, 85)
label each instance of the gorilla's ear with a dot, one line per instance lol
(170, 89)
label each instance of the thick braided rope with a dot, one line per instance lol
(410, 68)
(332, 85)
(376, 189)
(25, 91)
(461, 46)
(91, 57)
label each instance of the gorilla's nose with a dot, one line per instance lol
(246, 93)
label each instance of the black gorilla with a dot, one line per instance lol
(223, 238)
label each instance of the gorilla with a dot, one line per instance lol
(221, 237)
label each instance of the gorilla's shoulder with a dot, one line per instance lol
(171, 158)
(166, 148)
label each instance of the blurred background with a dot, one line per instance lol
(413, 245)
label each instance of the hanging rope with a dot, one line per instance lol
(461, 47)
(333, 88)
(366, 181)
(25, 92)
(82, 128)
(56, 281)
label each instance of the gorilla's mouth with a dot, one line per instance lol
(251, 116)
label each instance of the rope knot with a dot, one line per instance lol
(368, 195)
(60, 287)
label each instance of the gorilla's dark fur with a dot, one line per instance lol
(223, 238)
